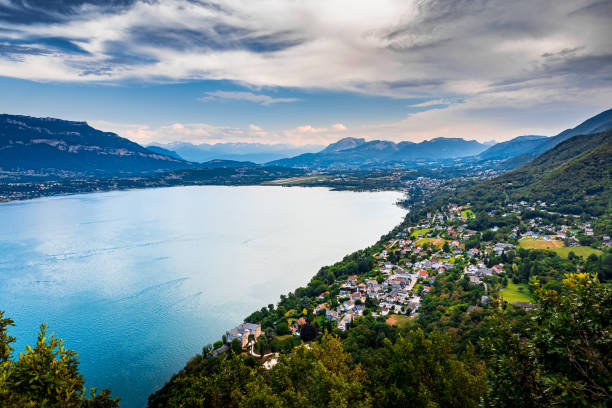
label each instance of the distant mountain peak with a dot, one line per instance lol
(352, 153)
(344, 144)
(444, 139)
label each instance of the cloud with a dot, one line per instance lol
(391, 47)
(244, 96)
(309, 129)
(433, 102)
(175, 132)
(308, 134)
(198, 133)
(498, 60)
(513, 112)
(257, 131)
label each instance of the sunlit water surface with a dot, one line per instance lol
(138, 281)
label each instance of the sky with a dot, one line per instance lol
(308, 71)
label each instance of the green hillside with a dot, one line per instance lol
(576, 175)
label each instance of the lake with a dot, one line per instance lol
(138, 281)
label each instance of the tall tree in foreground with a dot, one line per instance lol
(564, 358)
(46, 375)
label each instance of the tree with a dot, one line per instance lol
(575, 339)
(236, 346)
(44, 375)
(564, 357)
(308, 332)
(606, 267)
(417, 370)
(282, 328)
(318, 377)
(5, 340)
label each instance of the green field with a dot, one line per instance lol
(583, 251)
(516, 292)
(530, 243)
(557, 247)
(467, 214)
(437, 242)
(423, 232)
(400, 321)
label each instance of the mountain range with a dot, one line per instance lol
(253, 152)
(55, 146)
(48, 146)
(532, 146)
(351, 153)
(356, 153)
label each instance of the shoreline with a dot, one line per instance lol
(119, 189)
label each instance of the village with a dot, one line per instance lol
(408, 265)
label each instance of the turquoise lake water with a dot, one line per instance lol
(138, 281)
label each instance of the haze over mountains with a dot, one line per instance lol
(253, 152)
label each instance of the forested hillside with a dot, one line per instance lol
(380, 365)
(574, 177)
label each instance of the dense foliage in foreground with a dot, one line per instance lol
(557, 355)
(46, 375)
